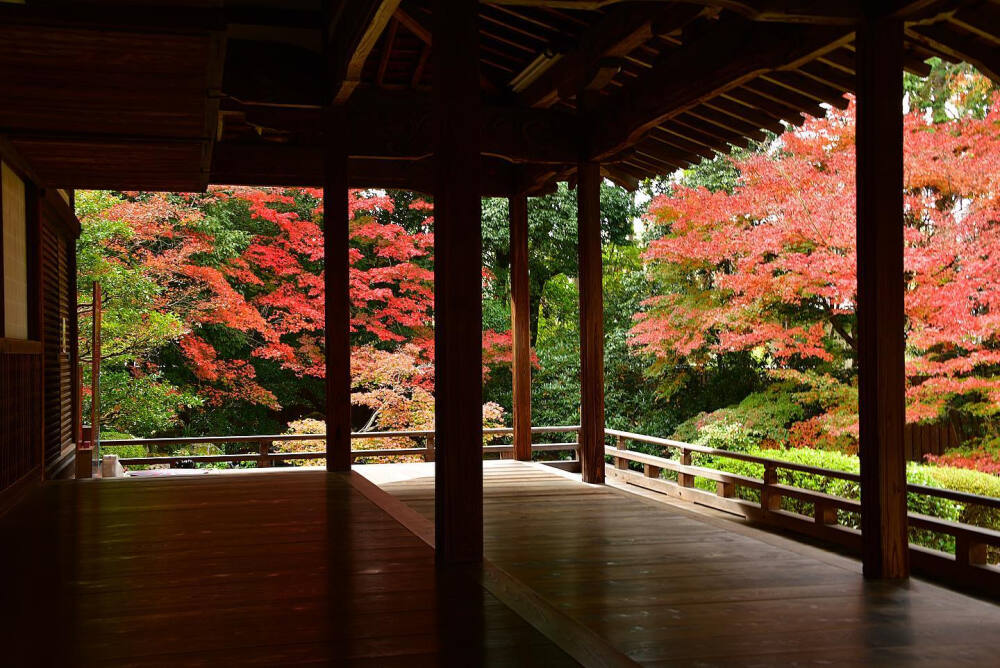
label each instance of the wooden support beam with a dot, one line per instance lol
(617, 34)
(842, 12)
(881, 339)
(336, 236)
(394, 125)
(520, 318)
(284, 165)
(718, 60)
(354, 30)
(959, 46)
(591, 322)
(458, 308)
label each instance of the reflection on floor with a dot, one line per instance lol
(670, 587)
(269, 568)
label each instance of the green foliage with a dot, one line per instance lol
(552, 236)
(799, 409)
(141, 403)
(124, 451)
(951, 90)
(964, 480)
(715, 174)
(762, 417)
(836, 461)
(970, 482)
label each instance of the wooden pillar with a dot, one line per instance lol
(591, 322)
(881, 373)
(336, 237)
(97, 307)
(520, 318)
(458, 308)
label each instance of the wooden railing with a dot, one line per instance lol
(823, 517)
(967, 566)
(265, 456)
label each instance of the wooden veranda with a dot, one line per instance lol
(461, 100)
(288, 568)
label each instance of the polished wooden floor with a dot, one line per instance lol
(667, 586)
(266, 568)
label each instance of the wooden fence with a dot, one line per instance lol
(929, 439)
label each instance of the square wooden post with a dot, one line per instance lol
(881, 338)
(336, 239)
(591, 322)
(520, 318)
(458, 305)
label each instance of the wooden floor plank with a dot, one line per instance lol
(265, 569)
(670, 587)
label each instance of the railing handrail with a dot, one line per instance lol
(358, 435)
(741, 456)
(970, 559)
(949, 494)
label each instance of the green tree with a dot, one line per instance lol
(552, 237)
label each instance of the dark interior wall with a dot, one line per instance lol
(38, 395)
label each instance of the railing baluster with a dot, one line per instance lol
(685, 479)
(726, 490)
(969, 552)
(769, 500)
(651, 471)
(429, 448)
(824, 513)
(620, 462)
(264, 448)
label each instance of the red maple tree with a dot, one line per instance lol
(770, 266)
(262, 278)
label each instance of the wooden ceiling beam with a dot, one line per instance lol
(355, 28)
(779, 108)
(726, 123)
(614, 36)
(956, 45)
(756, 117)
(684, 145)
(784, 95)
(809, 87)
(302, 166)
(841, 12)
(810, 12)
(399, 126)
(718, 60)
(829, 75)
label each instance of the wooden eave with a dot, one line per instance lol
(163, 98)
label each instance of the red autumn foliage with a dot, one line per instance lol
(269, 289)
(770, 267)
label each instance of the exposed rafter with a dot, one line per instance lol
(616, 35)
(720, 59)
(839, 12)
(942, 37)
(354, 30)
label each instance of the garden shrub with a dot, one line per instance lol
(970, 482)
(981, 454)
(125, 451)
(836, 461)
